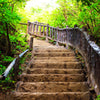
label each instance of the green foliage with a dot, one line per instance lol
(9, 23)
(10, 37)
(36, 10)
(7, 59)
(98, 97)
(51, 41)
(58, 19)
(2, 69)
(84, 13)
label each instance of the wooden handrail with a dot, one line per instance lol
(78, 39)
(23, 23)
(4, 75)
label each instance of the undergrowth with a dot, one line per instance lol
(98, 97)
(9, 83)
(19, 45)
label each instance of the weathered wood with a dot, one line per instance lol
(79, 40)
(67, 34)
(33, 28)
(15, 64)
(55, 33)
(31, 42)
(47, 32)
(23, 23)
(61, 37)
(50, 32)
(37, 28)
(43, 30)
(51, 39)
(39, 35)
(28, 27)
(39, 23)
(57, 44)
(40, 29)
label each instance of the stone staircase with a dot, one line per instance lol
(54, 74)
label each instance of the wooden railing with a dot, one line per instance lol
(15, 65)
(44, 30)
(76, 38)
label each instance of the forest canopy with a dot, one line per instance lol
(84, 13)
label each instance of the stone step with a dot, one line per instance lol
(52, 64)
(52, 87)
(53, 71)
(54, 54)
(55, 59)
(51, 50)
(53, 77)
(50, 96)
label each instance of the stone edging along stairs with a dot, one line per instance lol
(54, 74)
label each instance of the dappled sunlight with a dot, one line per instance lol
(43, 4)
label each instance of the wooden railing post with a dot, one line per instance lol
(47, 32)
(33, 28)
(57, 44)
(28, 27)
(37, 28)
(31, 42)
(43, 30)
(66, 38)
(55, 33)
(50, 32)
(40, 29)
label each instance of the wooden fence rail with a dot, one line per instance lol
(76, 38)
(14, 64)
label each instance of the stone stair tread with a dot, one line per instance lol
(62, 60)
(51, 50)
(50, 96)
(54, 59)
(53, 77)
(57, 58)
(43, 59)
(52, 64)
(54, 71)
(54, 54)
(52, 86)
(61, 63)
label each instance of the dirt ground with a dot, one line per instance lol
(2, 96)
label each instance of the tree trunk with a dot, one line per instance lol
(8, 51)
